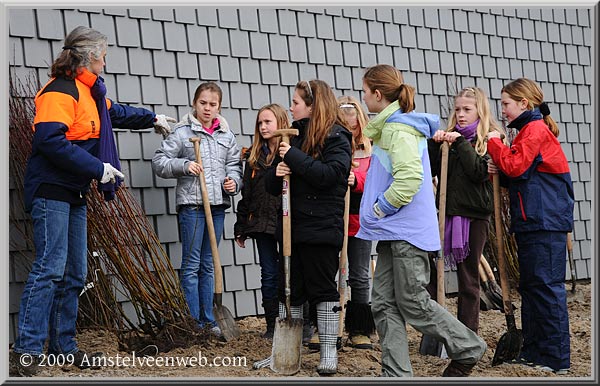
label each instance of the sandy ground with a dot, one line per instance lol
(352, 362)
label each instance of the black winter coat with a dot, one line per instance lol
(317, 186)
(469, 191)
(257, 210)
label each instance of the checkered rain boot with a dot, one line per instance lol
(296, 312)
(327, 323)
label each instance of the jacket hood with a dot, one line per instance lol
(190, 120)
(426, 124)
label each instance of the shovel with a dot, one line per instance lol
(509, 345)
(429, 345)
(223, 316)
(495, 292)
(343, 277)
(572, 295)
(486, 301)
(287, 339)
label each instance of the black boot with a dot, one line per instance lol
(359, 324)
(308, 328)
(271, 312)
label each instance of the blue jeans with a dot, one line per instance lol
(50, 299)
(197, 270)
(269, 260)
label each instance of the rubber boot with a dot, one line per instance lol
(327, 323)
(271, 312)
(296, 312)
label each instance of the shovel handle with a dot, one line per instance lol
(441, 292)
(500, 245)
(218, 273)
(343, 276)
(571, 262)
(287, 233)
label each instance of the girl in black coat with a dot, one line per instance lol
(257, 210)
(469, 198)
(318, 161)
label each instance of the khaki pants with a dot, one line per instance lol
(399, 297)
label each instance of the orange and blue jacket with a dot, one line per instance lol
(66, 135)
(540, 187)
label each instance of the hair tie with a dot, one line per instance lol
(544, 109)
(68, 48)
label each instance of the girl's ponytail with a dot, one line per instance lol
(406, 97)
(551, 125)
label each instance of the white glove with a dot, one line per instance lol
(109, 174)
(161, 124)
(377, 211)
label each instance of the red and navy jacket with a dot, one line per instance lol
(66, 138)
(540, 187)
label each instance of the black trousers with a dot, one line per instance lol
(313, 271)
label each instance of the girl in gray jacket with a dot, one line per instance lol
(223, 172)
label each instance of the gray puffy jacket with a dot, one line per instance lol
(220, 158)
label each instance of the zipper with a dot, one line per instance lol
(522, 208)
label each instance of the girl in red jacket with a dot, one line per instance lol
(541, 203)
(359, 319)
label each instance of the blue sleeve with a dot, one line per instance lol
(49, 139)
(132, 118)
(385, 206)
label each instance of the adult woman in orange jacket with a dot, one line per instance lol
(72, 144)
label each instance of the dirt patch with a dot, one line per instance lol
(352, 362)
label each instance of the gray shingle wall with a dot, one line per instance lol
(157, 57)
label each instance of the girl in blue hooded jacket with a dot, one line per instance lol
(398, 210)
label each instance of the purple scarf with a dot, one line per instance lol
(108, 149)
(456, 231)
(456, 240)
(468, 131)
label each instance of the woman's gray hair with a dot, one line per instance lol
(82, 45)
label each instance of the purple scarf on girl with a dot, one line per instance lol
(108, 149)
(456, 231)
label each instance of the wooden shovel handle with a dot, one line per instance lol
(488, 270)
(500, 245)
(209, 221)
(343, 277)
(441, 292)
(482, 274)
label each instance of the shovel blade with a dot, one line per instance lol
(226, 323)
(431, 346)
(287, 346)
(509, 347)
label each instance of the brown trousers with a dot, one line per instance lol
(468, 276)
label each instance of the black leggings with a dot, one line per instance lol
(313, 271)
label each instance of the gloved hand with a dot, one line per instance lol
(109, 174)
(161, 124)
(383, 208)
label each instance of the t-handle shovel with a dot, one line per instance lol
(287, 338)
(429, 345)
(509, 345)
(223, 316)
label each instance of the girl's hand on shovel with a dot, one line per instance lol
(195, 168)
(241, 241)
(492, 168)
(283, 149)
(229, 185)
(351, 179)
(282, 169)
